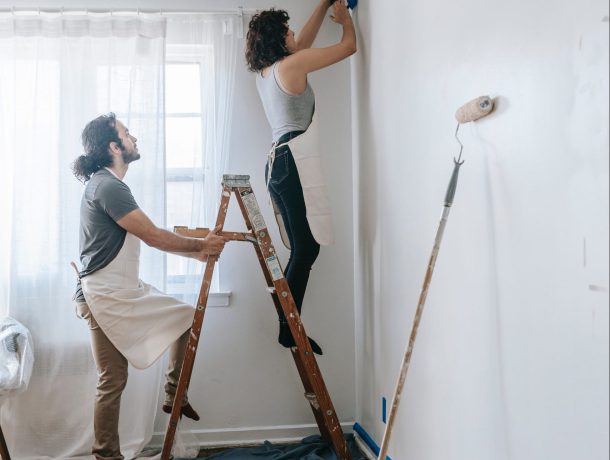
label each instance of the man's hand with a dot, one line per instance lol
(212, 245)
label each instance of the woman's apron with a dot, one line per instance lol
(305, 151)
(139, 320)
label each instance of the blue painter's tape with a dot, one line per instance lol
(368, 440)
(384, 410)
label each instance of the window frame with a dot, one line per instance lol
(183, 285)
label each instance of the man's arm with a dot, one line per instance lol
(310, 30)
(139, 224)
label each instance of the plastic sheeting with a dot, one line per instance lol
(16, 357)
(312, 448)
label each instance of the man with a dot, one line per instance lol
(129, 320)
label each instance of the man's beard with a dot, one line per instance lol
(130, 157)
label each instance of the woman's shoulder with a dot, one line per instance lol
(296, 63)
(269, 69)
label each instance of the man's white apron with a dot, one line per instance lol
(306, 153)
(139, 320)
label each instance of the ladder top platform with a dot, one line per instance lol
(230, 180)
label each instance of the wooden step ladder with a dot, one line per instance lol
(258, 234)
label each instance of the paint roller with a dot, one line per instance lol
(472, 111)
(475, 110)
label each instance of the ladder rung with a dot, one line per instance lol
(203, 232)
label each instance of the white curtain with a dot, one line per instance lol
(215, 38)
(57, 72)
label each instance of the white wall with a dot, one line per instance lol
(512, 356)
(245, 385)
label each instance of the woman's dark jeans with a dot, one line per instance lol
(287, 193)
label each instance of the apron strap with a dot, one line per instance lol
(270, 162)
(75, 269)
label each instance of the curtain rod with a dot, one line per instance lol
(237, 11)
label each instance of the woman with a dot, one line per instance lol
(282, 63)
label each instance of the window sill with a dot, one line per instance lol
(219, 299)
(215, 299)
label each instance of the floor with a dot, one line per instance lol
(311, 448)
(204, 453)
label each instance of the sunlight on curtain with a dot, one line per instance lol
(209, 42)
(57, 72)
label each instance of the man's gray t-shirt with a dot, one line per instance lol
(106, 200)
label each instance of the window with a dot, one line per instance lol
(185, 168)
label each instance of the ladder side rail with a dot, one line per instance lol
(259, 255)
(4, 455)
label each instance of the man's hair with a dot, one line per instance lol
(96, 137)
(266, 41)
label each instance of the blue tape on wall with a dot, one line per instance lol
(384, 410)
(368, 440)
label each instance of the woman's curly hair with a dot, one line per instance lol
(266, 41)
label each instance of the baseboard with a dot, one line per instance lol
(232, 437)
(364, 448)
(362, 435)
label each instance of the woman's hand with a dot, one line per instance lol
(341, 13)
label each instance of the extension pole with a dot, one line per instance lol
(420, 310)
(472, 111)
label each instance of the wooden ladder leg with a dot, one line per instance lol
(306, 363)
(4, 455)
(193, 342)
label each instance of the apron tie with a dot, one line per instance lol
(270, 162)
(73, 264)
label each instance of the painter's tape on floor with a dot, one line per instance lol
(312, 448)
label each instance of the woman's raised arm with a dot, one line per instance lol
(310, 31)
(294, 68)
